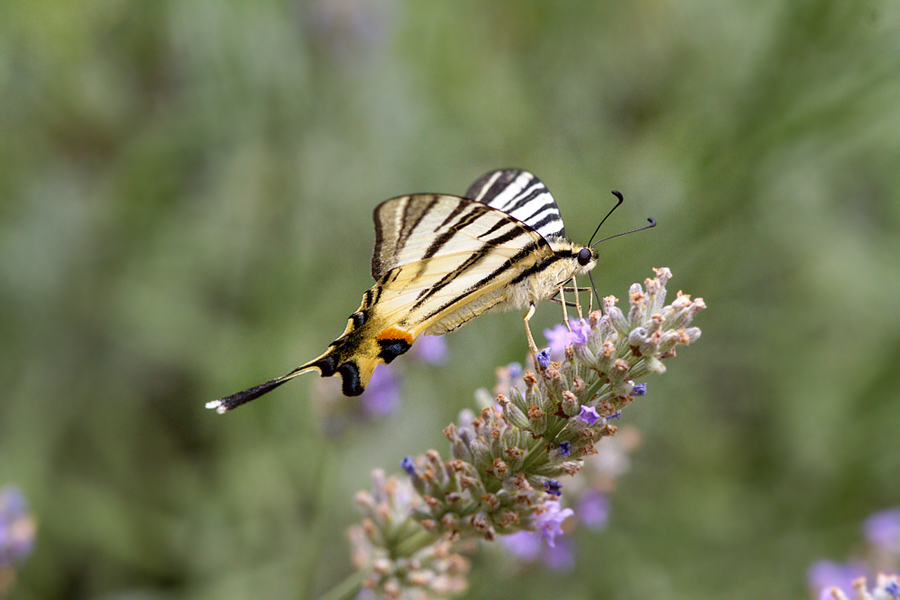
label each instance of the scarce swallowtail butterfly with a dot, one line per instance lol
(439, 262)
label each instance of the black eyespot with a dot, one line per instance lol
(584, 256)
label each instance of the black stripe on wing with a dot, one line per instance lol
(477, 256)
(509, 264)
(395, 227)
(521, 195)
(415, 229)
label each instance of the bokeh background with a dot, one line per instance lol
(186, 191)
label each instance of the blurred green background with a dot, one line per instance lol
(186, 192)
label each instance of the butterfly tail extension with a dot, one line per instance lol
(223, 405)
(335, 361)
(353, 356)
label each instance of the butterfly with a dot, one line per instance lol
(439, 262)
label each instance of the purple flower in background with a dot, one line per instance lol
(557, 339)
(593, 509)
(883, 529)
(431, 349)
(17, 527)
(580, 331)
(549, 521)
(560, 557)
(527, 546)
(382, 396)
(589, 414)
(825, 574)
(639, 389)
(560, 336)
(514, 370)
(524, 544)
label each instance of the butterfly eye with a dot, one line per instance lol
(584, 256)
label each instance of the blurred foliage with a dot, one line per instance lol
(186, 190)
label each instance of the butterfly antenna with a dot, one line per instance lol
(650, 226)
(611, 211)
(592, 243)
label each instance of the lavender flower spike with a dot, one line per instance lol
(503, 473)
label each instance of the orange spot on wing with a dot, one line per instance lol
(392, 333)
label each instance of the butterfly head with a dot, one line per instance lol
(577, 259)
(586, 258)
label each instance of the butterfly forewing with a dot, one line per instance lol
(456, 251)
(421, 227)
(521, 195)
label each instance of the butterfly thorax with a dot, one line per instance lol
(542, 280)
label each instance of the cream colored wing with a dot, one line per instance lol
(442, 260)
(423, 226)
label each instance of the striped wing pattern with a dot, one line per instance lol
(457, 252)
(439, 261)
(521, 195)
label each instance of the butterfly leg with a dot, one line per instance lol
(577, 299)
(562, 297)
(531, 345)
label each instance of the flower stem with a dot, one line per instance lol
(348, 588)
(414, 543)
(536, 454)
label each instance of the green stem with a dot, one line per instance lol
(348, 588)
(414, 543)
(318, 530)
(536, 453)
